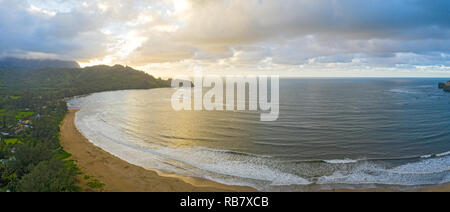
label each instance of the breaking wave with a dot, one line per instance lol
(117, 132)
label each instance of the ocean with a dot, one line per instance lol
(331, 133)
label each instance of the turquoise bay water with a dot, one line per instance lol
(331, 133)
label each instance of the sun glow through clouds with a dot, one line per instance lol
(285, 37)
(123, 46)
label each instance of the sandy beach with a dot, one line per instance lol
(120, 176)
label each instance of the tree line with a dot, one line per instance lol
(35, 161)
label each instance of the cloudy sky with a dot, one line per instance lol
(286, 37)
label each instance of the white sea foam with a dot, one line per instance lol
(242, 169)
(424, 172)
(221, 166)
(402, 91)
(246, 169)
(344, 161)
(443, 154)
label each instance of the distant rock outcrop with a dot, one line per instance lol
(445, 86)
(35, 64)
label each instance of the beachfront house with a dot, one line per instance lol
(22, 125)
(3, 161)
(3, 135)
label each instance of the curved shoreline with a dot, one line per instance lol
(121, 176)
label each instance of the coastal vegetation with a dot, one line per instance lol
(32, 106)
(445, 86)
(35, 64)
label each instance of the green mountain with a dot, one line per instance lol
(31, 158)
(69, 82)
(35, 64)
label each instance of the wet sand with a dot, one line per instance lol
(434, 188)
(438, 188)
(121, 176)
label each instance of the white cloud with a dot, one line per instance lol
(278, 36)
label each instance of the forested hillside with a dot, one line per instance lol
(35, 64)
(31, 108)
(61, 83)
